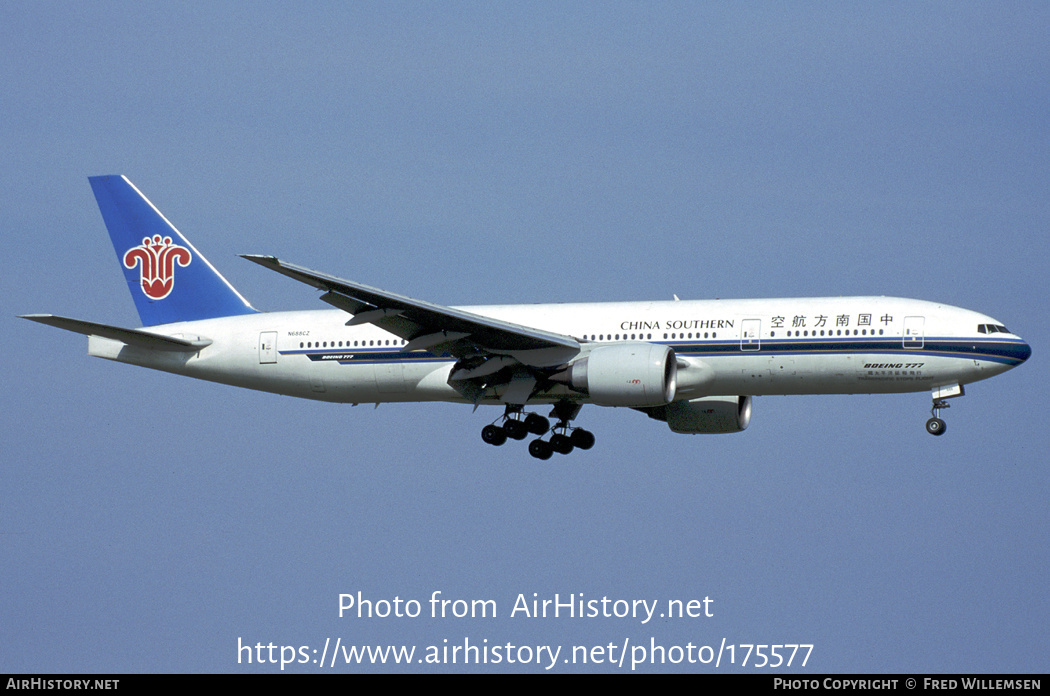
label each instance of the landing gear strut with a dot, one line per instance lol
(936, 426)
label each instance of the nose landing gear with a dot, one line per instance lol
(936, 426)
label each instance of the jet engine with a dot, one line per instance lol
(707, 415)
(626, 374)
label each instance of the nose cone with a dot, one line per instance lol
(1015, 351)
(1024, 351)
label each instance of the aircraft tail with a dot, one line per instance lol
(169, 279)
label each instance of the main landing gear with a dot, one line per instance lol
(514, 427)
(517, 425)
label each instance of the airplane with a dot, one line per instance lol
(694, 365)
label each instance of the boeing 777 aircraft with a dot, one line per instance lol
(692, 364)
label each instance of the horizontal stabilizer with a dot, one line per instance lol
(132, 337)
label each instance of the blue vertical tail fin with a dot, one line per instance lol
(169, 279)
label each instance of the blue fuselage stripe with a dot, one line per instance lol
(1004, 352)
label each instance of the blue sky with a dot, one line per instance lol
(497, 153)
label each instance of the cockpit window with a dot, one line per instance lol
(992, 328)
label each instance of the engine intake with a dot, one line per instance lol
(626, 374)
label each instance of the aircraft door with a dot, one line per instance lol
(267, 347)
(751, 334)
(913, 332)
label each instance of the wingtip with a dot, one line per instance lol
(262, 259)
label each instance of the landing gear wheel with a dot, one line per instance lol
(562, 444)
(582, 439)
(494, 435)
(537, 424)
(516, 429)
(935, 426)
(541, 449)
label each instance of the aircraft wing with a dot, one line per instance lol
(434, 327)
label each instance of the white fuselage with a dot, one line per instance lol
(741, 347)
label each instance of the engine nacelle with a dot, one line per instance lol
(626, 374)
(707, 415)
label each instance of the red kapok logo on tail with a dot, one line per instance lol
(157, 258)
